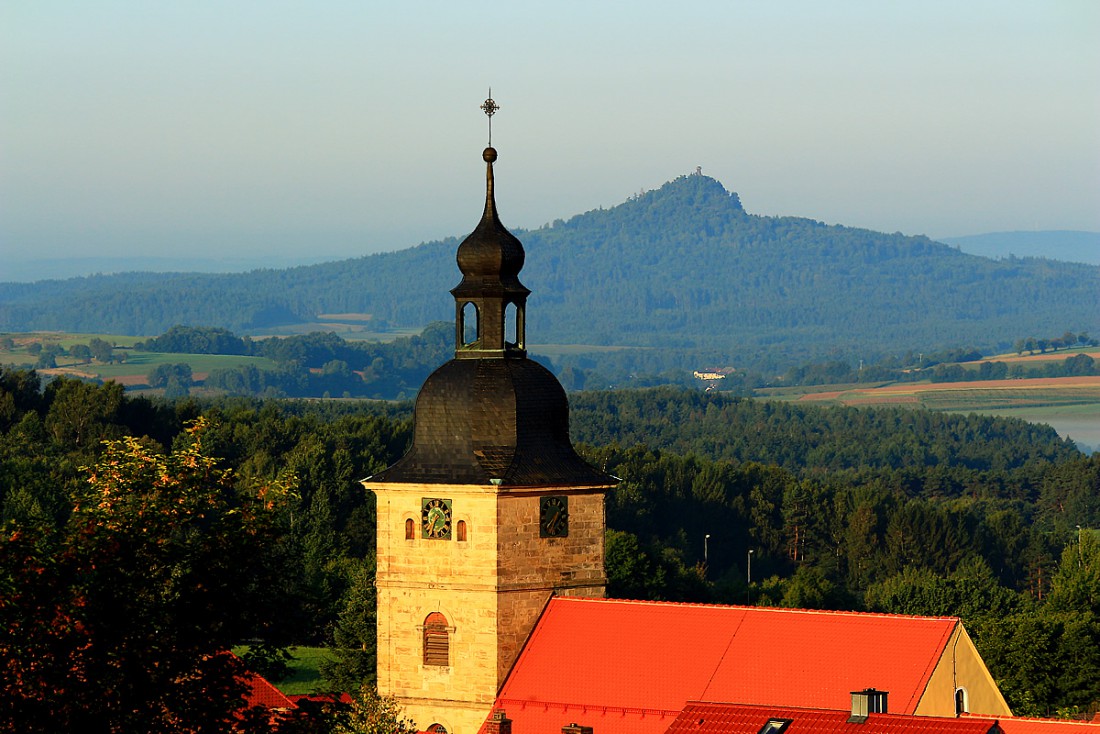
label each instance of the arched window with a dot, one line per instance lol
(410, 529)
(470, 328)
(460, 531)
(513, 325)
(962, 702)
(437, 643)
(437, 729)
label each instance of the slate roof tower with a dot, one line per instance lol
(491, 414)
(491, 513)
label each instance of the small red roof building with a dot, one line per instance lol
(262, 693)
(635, 665)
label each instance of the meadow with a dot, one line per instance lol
(131, 368)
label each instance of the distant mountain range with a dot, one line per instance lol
(29, 270)
(1065, 245)
(683, 268)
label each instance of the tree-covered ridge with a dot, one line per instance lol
(683, 267)
(803, 438)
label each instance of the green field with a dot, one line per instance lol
(305, 677)
(140, 363)
(135, 367)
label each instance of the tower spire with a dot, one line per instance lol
(490, 302)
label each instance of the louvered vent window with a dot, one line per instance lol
(437, 644)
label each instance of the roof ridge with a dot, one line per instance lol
(818, 710)
(793, 610)
(524, 703)
(1036, 719)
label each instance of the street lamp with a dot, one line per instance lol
(1080, 551)
(750, 568)
(705, 539)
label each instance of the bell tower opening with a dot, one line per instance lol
(469, 325)
(513, 326)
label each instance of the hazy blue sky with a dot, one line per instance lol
(342, 128)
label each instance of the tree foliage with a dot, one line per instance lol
(121, 620)
(901, 511)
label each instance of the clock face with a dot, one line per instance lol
(554, 517)
(435, 518)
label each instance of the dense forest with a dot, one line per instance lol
(994, 520)
(683, 267)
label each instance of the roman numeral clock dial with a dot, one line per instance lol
(435, 518)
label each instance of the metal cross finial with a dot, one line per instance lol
(489, 107)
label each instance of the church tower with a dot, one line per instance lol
(491, 512)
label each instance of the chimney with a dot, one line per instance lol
(867, 702)
(575, 728)
(498, 723)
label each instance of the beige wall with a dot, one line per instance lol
(961, 666)
(492, 589)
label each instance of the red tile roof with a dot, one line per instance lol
(262, 693)
(648, 659)
(539, 717)
(716, 718)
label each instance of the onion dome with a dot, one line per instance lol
(490, 415)
(491, 254)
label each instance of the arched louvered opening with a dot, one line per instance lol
(460, 531)
(410, 529)
(437, 643)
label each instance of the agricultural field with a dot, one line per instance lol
(1051, 356)
(965, 396)
(128, 366)
(1071, 405)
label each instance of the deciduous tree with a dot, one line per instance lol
(119, 622)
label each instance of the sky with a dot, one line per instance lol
(271, 129)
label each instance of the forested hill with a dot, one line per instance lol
(682, 266)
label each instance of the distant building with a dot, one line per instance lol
(714, 373)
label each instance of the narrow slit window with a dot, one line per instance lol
(410, 529)
(460, 531)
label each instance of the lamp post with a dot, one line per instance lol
(749, 576)
(1080, 551)
(705, 539)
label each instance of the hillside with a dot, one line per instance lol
(683, 266)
